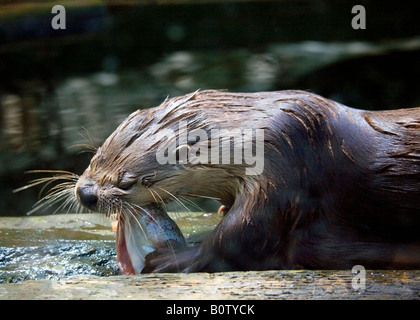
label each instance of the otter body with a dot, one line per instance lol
(339, 186)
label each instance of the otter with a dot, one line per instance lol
(338, 187)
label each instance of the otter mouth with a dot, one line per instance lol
(142, 234)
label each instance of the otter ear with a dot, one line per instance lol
(181, 154)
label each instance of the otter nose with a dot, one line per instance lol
(87, 196)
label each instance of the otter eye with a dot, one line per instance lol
(126, 185)
(146, 181)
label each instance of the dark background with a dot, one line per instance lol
(63, 88)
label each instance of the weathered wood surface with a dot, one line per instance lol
(223, 286)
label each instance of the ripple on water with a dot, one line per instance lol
(57, 260)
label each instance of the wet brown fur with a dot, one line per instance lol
(340, 186)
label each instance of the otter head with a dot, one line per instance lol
(127, 170)
(124, 168)
(125, 178)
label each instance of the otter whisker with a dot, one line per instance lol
(68, 202)
(154, 192)
(53, 198)
(86, 148)
(59, 187)
(63, 175)
(195, 205)
(162, 202)
(63, 191)
(131, 210)
(176, 199)
(89, 145)
(192, 203)
(201, 196)
(74, 205)
(108, 208)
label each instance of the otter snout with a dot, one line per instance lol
(87, 196)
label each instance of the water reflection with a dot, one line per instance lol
(44, 117)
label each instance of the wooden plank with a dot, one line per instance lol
(302, 284)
